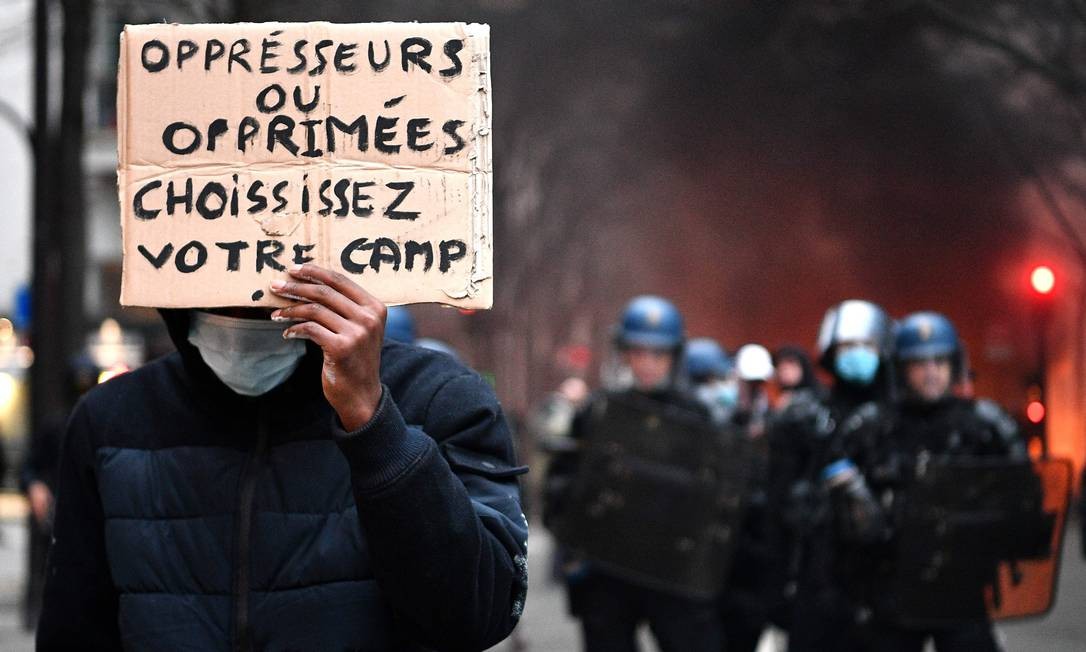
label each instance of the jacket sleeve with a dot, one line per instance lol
(443, 522)
(79, 609)
(41, 461)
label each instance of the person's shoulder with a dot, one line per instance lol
(688, 401)
(155, 378)
(992, 415)
(415, 375)
(406, 362)
(119, 410)
(807, 411)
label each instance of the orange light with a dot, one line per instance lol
(1036, 448)
(1043, 279)
(1035, 411)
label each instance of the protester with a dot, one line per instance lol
(287, 484)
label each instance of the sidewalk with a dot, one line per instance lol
(12, 568)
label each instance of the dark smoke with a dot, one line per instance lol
(750, 162)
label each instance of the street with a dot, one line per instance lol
(545, 626)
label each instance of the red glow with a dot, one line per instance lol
(1035, 411)
(1042, 279)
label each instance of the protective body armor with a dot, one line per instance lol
(657, 497)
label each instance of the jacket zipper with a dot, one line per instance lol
(243, 527)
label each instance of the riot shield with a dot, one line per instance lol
(658, 496)
(976, 539)
(1027, 587)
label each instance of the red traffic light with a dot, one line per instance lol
(1042, 279)
(1035, 411)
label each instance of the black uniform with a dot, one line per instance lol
(815, 553)
(744, 608)
(611, 608)
(744, 604)
(953, 428)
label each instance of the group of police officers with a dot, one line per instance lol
(884, 512)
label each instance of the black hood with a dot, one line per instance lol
(305, 379)
(797, 353)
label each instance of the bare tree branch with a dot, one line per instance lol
(1030, 171)
(951, 20)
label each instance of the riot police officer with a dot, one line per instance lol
(711, 375)
(743, 607)
(735, 396)
(823, 511)
(754, 367)
(932, 418)
(934, 425)
(610, 600)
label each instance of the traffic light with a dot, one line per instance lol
(1035, 406)
(1033, 429)
(1042, 279)
(1035, 412)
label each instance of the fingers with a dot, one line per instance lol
(332, 301)
(313, 312)
(340, 283)
(316, 293)
(336, 346)
(314, 332)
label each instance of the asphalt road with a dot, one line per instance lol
(546, 627)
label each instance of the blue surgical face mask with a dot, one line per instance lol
(726, 393)
(719, 394)
(857, 365)
(249, 356)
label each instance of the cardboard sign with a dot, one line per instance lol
(245, 149)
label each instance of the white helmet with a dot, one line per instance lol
(854, 320)
(753, 362)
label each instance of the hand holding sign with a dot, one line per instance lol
(348, 324)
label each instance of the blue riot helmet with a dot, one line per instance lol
(851, 322)
(704, 358)
(400, 325)
(650, 322)
(923, 335)
(927, 335)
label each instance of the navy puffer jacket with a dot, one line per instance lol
(191, 518)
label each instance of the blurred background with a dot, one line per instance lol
(754, 161)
